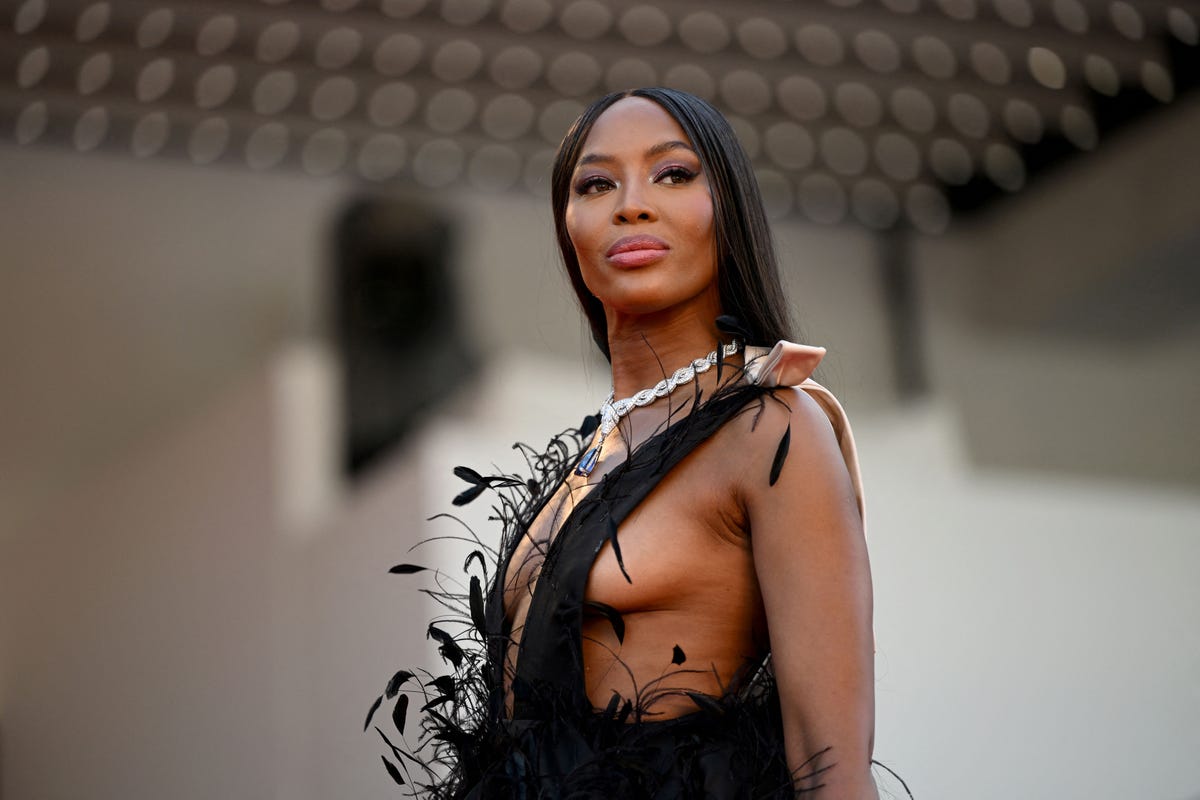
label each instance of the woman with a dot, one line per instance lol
(682, 601)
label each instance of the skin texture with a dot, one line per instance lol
(699, 579)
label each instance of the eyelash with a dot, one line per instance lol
(591, 182)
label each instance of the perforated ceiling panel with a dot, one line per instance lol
(877, 112)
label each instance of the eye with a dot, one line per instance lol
(592, 184)
(676, 175)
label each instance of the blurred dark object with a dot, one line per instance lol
(397, 322)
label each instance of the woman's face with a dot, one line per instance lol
(640, 214)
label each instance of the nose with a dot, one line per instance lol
(633, 205)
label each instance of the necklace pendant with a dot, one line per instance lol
(588, 462)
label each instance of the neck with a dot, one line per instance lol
(646, 349)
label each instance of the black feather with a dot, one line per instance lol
(371, 713)
(616, 546)
(727, 323)
(398, 680)
(406, 569)
(469, 475)
(589, 425)
(705, 702)
(449, 648)
(677, 656)
(612, 615)
(400, 713)
(467, 495)
(475, 555)
(477, 616)
(391, 770)
(443, 683)
(781, 454)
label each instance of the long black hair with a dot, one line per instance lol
(747, 272)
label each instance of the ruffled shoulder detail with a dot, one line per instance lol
(792, 364)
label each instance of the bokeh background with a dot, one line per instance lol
(269, 270)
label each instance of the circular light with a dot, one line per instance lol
(338, 47)
(959, 9)
(934, 57)
(645, 25)
(95, 73)
(438, 163)
(397, 54)
(746, 134)
(556, 118)
(91, 128)
(526, 16)
(277, 41)
(465, 12)
(215, 86)
(1157, 81)
(875, 204)
(586, 19)
(968, 115)
(381, 157)
(1071, 15)
(950, 161)
(507, 117)
(457, 61)
(897, 156)
(1047, 68)
(789, 145)
(801, 97)
(573, 73)
(516, 67)
(92, 21)
(1127, 20)
(325, 152)
(1182, 26)
(822, 199)
(1004, 166)
(820, 44)
(704, 32)
(333, 98)
(31, 122)
(858, 104)
(155, 27)
(216, 35)
(745, 92)
(402, 9)
(537, 172)
(208, 140)
(776, 193)
(927, 209)
(629, 73)
(1017, 13)
(450, 110)
(878, 51)
(844, 151)
(691, 78)
(267, 146)
(913, 109)
(1101, 75)
(494, 168)
(1079, 128)
(150, 134)
(392, 104)
(274, 92)
(1023, 121)
(29, 16)
(33, 66)
(762, 38)
(990, 63)
(155, 79)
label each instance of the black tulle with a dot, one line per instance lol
(555, 744)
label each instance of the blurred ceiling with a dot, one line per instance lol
(884, 113)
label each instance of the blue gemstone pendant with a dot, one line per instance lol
(588, 462)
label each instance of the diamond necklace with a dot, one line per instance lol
(611, 412)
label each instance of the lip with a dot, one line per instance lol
(635, 251)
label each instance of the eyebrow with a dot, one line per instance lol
(656, 150)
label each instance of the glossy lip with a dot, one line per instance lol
(635, 251)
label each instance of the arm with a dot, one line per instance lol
(811, 560)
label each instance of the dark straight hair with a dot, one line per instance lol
(747, 272)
